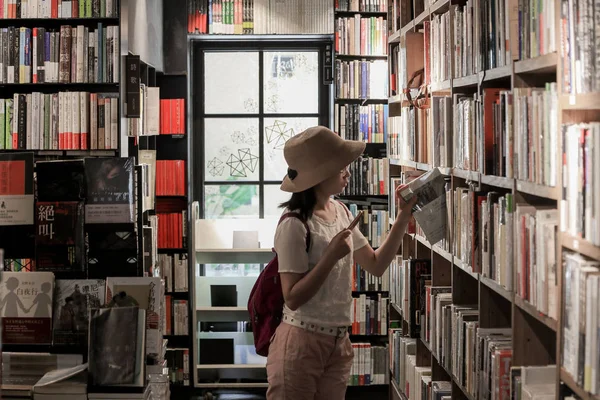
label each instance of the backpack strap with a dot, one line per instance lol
(296, 215)
(345, 209)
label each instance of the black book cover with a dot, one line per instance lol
(113, 347)
(60, 180)
(420, 270)
(59, 236)
(109, 190)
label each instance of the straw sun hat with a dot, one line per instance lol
(316, 155)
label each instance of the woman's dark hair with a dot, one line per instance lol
(304, 202)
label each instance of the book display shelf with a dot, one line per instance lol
(361, 113)
(507, 300)
(78, 208)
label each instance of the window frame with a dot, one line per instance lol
(323, 44)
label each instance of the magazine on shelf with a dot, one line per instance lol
(430, 208)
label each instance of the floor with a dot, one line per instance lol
(356, 393)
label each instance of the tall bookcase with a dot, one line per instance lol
(360, 113)
(497, 159)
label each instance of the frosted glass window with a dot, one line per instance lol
(231, 201)
(231, 149)
(231, 82)
(277, 131)
(273, 198)
(291, 82)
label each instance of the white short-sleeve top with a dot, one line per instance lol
(330, 306)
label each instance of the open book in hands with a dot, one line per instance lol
(430, 209)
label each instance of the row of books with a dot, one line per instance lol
(536, 265)
(176, 316)
(414, 382)
(170, 178)
(174, 269)
(360, 79)
(368, 176)
(365, 123)
(373, 224)
(172, 116)
(369, 365)
(221, 17)
(369, 315)
(409, 137)
(362, 5)
(363, 281)
(580, 204)
(408, 278)
(59, 121)
(579, 40)
(71, 55)
(581, 320)
(361, 36)
(49, 311)
(178, 361)
(501, 133)
(11, 9)
(171, 232)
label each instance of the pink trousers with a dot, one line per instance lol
(304, 365)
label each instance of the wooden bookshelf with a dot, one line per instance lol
(536, 336)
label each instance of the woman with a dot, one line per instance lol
(310, 354)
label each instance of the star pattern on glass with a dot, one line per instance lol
(242, 163)
(277, 134)
(216, 167)
(237, 137)
(273, 103)
(250, 105)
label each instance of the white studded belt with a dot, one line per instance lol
(326, 330)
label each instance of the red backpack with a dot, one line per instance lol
(265, 303)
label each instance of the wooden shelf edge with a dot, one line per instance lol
(496, 73)
(496, 287)
(423, 241)
(396, 307)
(498, 181)
(462, 388)
(231, 366)
(460, 265)
(549, 192)
(580, 246)
(399, 393)
(471, 80)
(572, 384)
(535, 313)
(546, 62)
(583, 101)
(395, 37)
(442, 252)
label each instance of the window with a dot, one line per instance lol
(252, 100)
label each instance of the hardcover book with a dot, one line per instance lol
(26, 307)
(110, 190)
(148, 294)
(59, 236)
(116, 346)
(16, 189)
(62, 180)
(73, 300)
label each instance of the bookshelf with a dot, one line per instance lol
(518, 172)
(360, 113)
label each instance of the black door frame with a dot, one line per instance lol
(197, 46)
